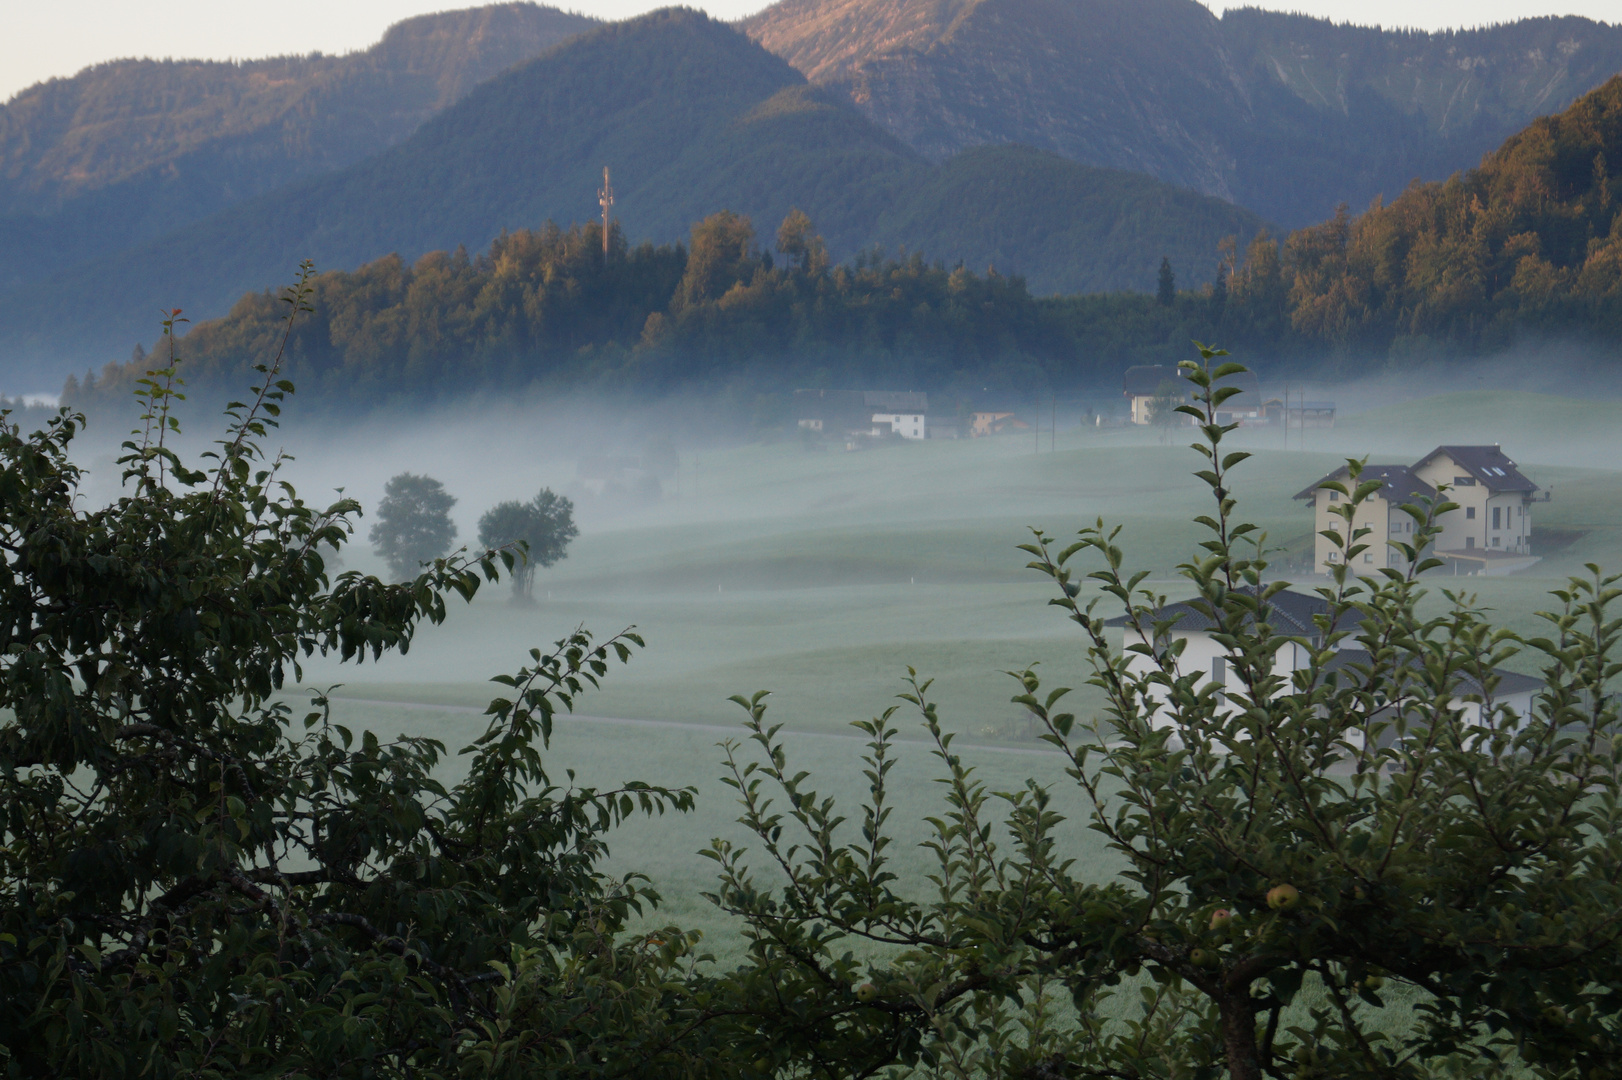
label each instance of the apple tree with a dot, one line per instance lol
(202, 877)
(1367, 869)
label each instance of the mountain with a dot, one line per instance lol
(1284, 114)
(693, 117)
(125, 151)
(1525, 250)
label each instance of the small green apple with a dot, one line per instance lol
(1373, 982)
(866, 992)
(1220, 918)
(1283, 897)
(1201, 957)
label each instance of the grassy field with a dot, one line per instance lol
(823, 576)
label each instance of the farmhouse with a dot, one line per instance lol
(1144, 384)
(906, 425)
(1381, 514)
(1489, 533)
(869, 413)
(1307, 619)
(1494, 517)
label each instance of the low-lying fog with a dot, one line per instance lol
(761, 560)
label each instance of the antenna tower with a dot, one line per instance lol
(605, 199)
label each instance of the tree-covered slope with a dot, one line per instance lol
(1529, 242)
(127, 150)
(1284, 114)
(693, 117)
(1527, 247)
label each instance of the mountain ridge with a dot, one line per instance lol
(1166, 87)
(127, 150)
(694, 118)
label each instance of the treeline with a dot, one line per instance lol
(546, 307)
(1529, 244)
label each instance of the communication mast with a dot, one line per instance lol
(605, 199)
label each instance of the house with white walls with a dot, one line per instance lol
(1307, 620)
(1489, 533)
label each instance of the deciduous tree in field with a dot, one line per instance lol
(414, 525)
(540, 531)
(1371, 869)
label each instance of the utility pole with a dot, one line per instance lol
(605, 199)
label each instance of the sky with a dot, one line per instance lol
(46, 38)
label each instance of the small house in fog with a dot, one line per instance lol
(1142, 384)
(1308, 619)
(862, 413)
(1489, 533)
(907, 425)
(1381, 513)
(1146, 383)
(1298, 415)
(994, 422)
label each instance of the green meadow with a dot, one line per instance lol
(823, 576)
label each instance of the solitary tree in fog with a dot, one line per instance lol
(413, 524)
(544, 525)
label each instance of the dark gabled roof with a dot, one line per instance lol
(1490, 466)
(1509, 682)
(1400, 486)
(1250, 391)
(1147, 379)
(896, 401)
(1290, 612)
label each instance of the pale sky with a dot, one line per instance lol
(46, 38)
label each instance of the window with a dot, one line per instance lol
(1368, 556)
(1219, 671)
(1332, 556)
(1495, 523)
(1464, 481)
(1495, 541)
(1334, 496)
(1469, 542)
(1470, 512)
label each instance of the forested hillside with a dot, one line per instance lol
(694, 118)
(127, 150)
(1283, 114)
(1529, 242)
(1528, 247)
(726, 311)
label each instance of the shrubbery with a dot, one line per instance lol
(1323, 877)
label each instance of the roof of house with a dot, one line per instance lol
(1489, 465)
(1289, 611)
(1146, 379)
(1250, 390)
(896, 401)
(1509, 682)
(1399, 484)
